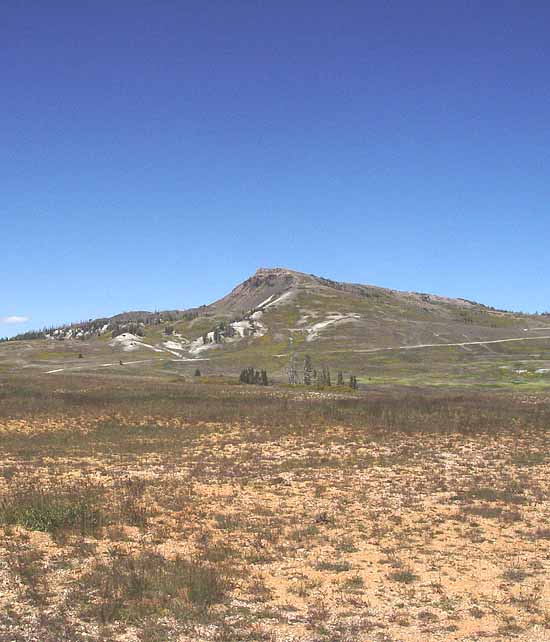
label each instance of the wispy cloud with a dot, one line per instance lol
(14, 320)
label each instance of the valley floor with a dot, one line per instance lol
(144, 511)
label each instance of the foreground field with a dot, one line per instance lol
(151, 511)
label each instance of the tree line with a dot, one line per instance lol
(312, 377)
(254, 377)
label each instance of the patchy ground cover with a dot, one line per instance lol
(148, 511)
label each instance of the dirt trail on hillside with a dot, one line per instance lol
(446, 345)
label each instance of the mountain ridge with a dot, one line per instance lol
(277, 312)
(239, 299)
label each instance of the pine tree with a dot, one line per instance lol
(340, 379)
(197, 373)
(253, 377)
(308, 370)
(353, 382)
(322, 378)
(292, 374)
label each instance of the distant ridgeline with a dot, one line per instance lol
(133, 322)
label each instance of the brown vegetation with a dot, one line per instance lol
(156, 511)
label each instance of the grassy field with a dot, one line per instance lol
(147, 510)
(517, 365)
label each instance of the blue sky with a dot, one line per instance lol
(154, 154)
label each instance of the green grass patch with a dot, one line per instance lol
(54, 355)
(52, 510)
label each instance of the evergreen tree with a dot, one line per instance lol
(247, 376)
(353, 382)
(197, 373)
(292, 374)
(321, 378)
(340, 379)
(253, 377)
(308, 370)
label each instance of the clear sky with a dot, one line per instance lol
(155, 153)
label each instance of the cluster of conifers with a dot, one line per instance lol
(313, 377)
(254, 377)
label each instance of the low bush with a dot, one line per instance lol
(53, 509)
(131, 588)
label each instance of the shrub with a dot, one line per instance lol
(514, 574)
(128, 505)
(131, 588)
(51, 510)
(403, 575)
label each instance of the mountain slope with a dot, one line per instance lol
(372, 331)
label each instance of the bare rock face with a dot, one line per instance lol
(271, 277)
(264, 283)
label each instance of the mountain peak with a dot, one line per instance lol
(276, 271)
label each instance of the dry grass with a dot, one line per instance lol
(151, 511)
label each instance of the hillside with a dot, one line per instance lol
(379, 334)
